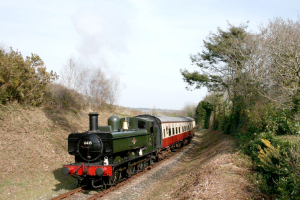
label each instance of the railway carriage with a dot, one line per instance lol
(105, 155)
(172, 130)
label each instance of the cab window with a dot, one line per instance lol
(141, 124)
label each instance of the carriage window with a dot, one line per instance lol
(179, 130)
(176, 130)
(173, 131)
(164, 133)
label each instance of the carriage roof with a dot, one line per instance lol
(165, 119)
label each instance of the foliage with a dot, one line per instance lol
(279, 168)
(219, 62)
(23, 80)
(264, 118)
(208, 110)
(258, 77)
(200, 114)
(60, 97)
(270, 157)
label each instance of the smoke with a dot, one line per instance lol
(103, 29)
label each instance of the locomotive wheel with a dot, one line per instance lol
(152, 160)
(146, 164)
(130, 170)
(160, 156)
(116, 177)
(140, 167)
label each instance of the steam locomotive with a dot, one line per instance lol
(105, 155)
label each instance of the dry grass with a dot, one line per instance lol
(212, 169)
(33, 149)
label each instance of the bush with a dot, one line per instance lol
(251, 143)
(200, 114)
(277, 159)
(265, 118)
(59, 97)
(280, 168)
(23, 80)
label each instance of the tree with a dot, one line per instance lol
(98, 88)
(208, 110)
(220, 63)
(189, 110)
(72, 75)
(200, 114)
(281, 42)
(25, 81)
(113, 91)
(270, 64)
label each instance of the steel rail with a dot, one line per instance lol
(70, 193)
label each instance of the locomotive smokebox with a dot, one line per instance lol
(93, 122)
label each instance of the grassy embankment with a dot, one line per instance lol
(213, 168)
(34, 147)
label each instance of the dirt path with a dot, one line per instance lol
(209, 168)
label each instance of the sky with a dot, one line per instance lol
(143, 42)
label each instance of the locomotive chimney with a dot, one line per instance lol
(93, 122)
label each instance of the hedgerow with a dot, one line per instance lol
(271, 139)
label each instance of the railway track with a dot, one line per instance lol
(104, 192)
(67, 194)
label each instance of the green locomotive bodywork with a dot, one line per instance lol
(129, 140)
(117, 144)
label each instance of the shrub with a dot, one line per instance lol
(200, 114)
(277, 159)
(267, 118)
(23, 80)
(60, 97)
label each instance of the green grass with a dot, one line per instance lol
(41, 186)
